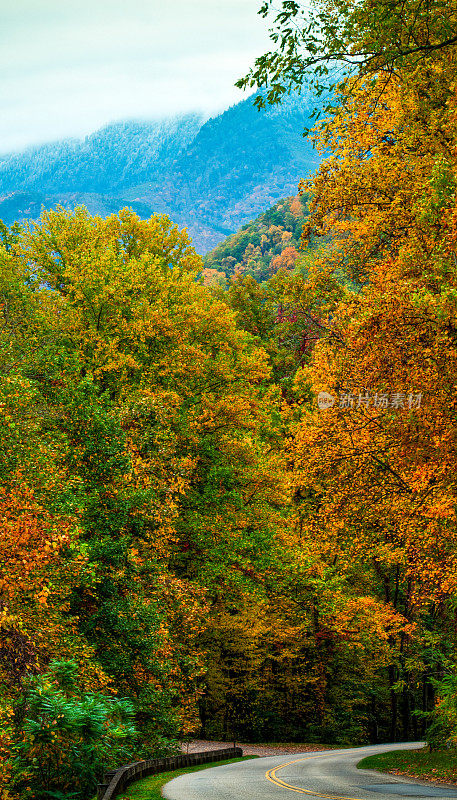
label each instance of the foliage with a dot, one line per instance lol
(141, 462)
(64, 739)
(377, 477)
(442, 729)
(373, 474)
(324, 42)
(263, 246)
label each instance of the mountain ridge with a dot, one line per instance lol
(209, 175)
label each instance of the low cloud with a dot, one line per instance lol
(69, 68)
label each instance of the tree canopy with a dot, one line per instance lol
(324, 42)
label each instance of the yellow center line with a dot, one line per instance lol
(273, 778)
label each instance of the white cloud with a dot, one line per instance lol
(67, 68)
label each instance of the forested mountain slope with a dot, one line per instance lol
(261, 247)
(106, 161)
(211, 176)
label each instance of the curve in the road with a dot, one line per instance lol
(329, 775)
(272, 776)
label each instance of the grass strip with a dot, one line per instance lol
(438, 765)
(151, 788)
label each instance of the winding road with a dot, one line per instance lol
(330, 774)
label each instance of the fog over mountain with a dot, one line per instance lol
(210, 176)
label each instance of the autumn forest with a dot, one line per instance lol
(228, 485)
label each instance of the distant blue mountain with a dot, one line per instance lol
(211, 176)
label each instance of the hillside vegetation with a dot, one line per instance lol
(262, 247)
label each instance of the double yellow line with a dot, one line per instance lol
(273, 778)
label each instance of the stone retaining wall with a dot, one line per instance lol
(117, 780)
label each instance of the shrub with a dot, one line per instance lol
(65, 739)
(442, 730)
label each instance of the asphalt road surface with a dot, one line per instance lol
(327, 774)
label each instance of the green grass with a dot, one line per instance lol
(151, 788)
(439, 765)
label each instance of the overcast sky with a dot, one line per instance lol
(69, 66)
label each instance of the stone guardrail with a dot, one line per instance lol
(117, 780)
